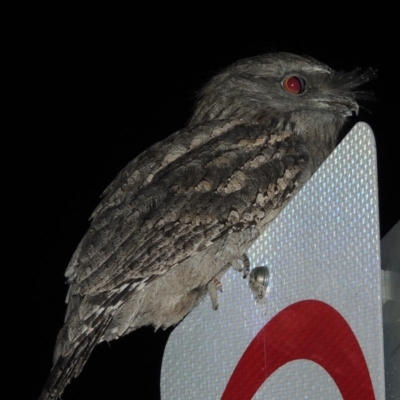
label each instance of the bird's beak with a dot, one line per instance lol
(350, 106)
(343, 105)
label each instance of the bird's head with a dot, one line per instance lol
(281, 84)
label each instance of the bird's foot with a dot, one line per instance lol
(242, 265)
(214, 287)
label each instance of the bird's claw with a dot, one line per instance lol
(214, 287)
(242, 265)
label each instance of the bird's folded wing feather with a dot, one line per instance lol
(174, 200)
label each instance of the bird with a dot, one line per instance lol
(184, 211)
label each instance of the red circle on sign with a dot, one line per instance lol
(310, 330)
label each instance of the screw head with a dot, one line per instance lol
(258, 281)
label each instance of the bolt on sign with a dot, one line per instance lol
(309, 325)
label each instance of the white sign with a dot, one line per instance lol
(318, 332)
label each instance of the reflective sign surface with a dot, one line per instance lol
(318, 332)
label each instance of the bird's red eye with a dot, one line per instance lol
(294, 84)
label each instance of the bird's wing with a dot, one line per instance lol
(179, 197)
(141, 170)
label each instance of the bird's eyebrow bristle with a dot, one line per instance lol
(317, 68)
(351, 80)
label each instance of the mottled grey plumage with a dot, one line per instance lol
(182, 211)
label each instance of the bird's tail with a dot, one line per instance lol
(70, 365)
